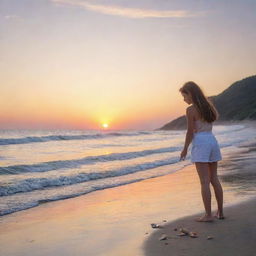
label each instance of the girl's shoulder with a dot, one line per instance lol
(191, 110)
(191, 107)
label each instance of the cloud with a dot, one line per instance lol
(127, 12)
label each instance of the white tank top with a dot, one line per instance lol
(201, 126)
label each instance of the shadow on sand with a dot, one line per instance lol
(233, 236)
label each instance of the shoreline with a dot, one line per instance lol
(233, 236)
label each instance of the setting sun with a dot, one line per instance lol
(105, 125)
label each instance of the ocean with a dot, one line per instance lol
(38, 166)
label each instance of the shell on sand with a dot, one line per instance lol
(209, 237)
(153, 225)
(185, 231)
(181, 234)
(193, 234)
(163, 237)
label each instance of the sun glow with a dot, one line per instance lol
(105, 125)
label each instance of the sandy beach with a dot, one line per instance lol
(117, 221)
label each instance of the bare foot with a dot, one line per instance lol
(219, 216)
(205, 218)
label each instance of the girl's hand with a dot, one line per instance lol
(183, 154)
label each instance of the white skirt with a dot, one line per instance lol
(205, 148)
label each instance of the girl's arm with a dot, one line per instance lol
(190, 127)
(190, 132)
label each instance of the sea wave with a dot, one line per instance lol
(35, 139)
(31, 184)
(75, 163)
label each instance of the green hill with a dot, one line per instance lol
(237, 102)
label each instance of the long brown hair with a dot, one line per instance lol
(203, 105)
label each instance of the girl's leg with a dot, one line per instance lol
(204, 176)
(217, 188)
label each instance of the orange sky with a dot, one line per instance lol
(79, 64)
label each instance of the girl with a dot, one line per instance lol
(205, 152)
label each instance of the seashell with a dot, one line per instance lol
(163, 237)
(185, 231)
(193, 234)
(209, 237)
(153, 225)
(181, 234)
